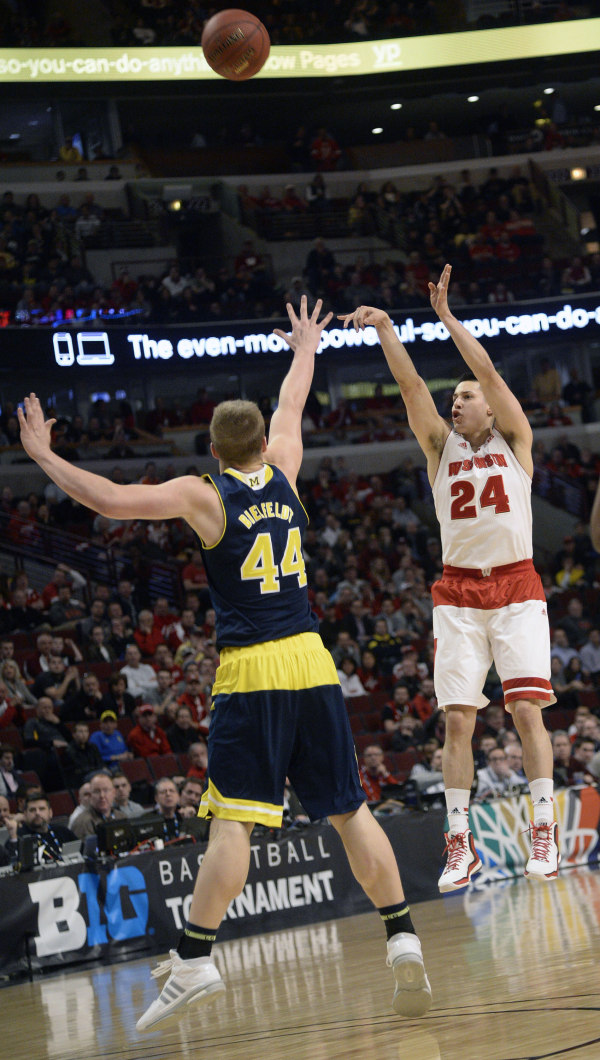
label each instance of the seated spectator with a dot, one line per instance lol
(386, 649)
(85, 704)
(59, 682)
(120, 634)
(18, 692)
(65, 610)
(146, 635)
(408, 734)
(427, 774)
(374, 773)
(589, 654)
(109, 741)
(118, 699)
(190, 793)
(514, 758)
(567, 682)
(396, 708)
(485, 745)
(576, 278)
(123, 800)
(198, 753)
(37, 817)
(325, 151)
(45, 730)
(497, 778)
(9, 714)
(560, 647)
(81, 757)
(584, 749)
(101, 807)
(369, 673)
(350, 682)
(182, 733)
(140, 676)
(10, 778)
(291, 201)
(425, 702)
(69, 153)
(193, 698)
(83, 797)
(167, 805)
(147, 738)
(97, 649)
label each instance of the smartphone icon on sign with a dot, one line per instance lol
(63, 349)
(94, 348)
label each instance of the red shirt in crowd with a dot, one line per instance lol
(372, 785)
(144, 743)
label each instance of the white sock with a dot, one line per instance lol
(542, 797)
(457, 806)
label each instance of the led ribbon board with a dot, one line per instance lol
(440, 50)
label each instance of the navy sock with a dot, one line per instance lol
(196, 942)
(396, 918)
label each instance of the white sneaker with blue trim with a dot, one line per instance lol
(193, 980)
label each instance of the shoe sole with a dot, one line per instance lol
(205, 995)
(445, 887)
(413, 992)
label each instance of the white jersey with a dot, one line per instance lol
(483, 503)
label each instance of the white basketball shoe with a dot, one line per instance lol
(463, 861)
(192, 980)
(545, 856)
(412, 996)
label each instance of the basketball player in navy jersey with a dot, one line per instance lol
(278, 709)
(489, 604)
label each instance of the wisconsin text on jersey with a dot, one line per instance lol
(266, 510)
(455, 466)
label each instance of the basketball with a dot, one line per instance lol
(235, 44)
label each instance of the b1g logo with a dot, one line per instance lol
(61, 927)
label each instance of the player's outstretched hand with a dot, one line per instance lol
(35, 430)
(365, 316)
(306, 331)
(438, 293)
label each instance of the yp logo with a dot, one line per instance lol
(388, 53)
(62, 927)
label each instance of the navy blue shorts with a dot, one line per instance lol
(279, 712)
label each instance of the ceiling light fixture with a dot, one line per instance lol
(377, 130)
(472, 99)
(548, 91)
(578, 173)
(396, 106)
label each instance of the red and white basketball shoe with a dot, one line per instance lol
(463, 861)
(545, 855)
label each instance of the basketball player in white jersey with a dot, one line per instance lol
(489, 603)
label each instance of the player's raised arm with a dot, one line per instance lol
(509, 416)
(427, 425)
(186, 497)
(285, 433)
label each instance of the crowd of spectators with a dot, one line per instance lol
(97, 677)
(487, 231)
(162, 22)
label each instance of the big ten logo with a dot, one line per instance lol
(119, 910)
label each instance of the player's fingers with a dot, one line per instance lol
(326, 321)
(291, 313)
(282, 335)
(303, 308)
(314, 316)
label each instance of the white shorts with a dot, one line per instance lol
(515, 636)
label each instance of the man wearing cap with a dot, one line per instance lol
(109, 741)
(147, 738)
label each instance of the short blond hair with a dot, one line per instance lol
(237, 429)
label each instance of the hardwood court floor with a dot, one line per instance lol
(514, 969)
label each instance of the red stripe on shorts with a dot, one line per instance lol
(464, 588)
(527, 688)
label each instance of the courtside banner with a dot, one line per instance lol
(78, 344)
(63, 915)
(105, 65)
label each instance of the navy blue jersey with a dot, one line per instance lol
(256, 571)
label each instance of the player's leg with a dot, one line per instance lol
(192, 974)
(520, 638)
(374, 866)
(457, 764)
(538, 765)
(462, 660)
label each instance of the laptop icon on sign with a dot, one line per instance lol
(94, 348)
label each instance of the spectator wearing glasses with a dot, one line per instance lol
(497, 778)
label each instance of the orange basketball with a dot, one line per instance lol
(235, 44)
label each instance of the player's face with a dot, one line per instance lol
(470, 410)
